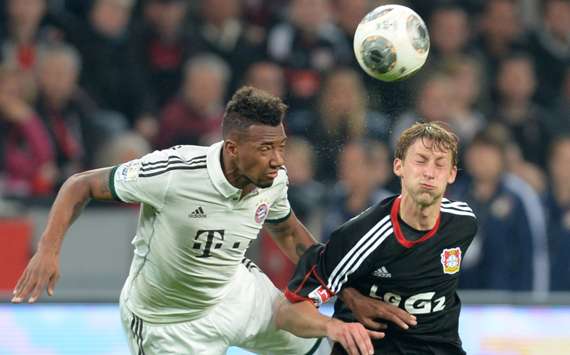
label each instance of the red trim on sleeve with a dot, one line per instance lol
(398, 230)
(295, 298)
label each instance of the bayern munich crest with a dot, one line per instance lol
(261, 212)
(451, 260)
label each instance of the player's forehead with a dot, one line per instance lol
(429, 148)
(258, 134)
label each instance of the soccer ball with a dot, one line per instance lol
(391, 42)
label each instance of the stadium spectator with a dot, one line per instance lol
(450, 34)
(267, 76)
(432, 104)
(307, 45)
(195, 116)
(500, 33)
(560, 121)
(165, 41)
(501, 255)
(363, 170)
(112, 72)
(28, 153)
(528, 122)
(341, 115)
(306, 195)
(22, 32)
(223, 31)
(558, 212)
(550, 46)
(66, 111)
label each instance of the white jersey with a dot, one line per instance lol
(193, 229)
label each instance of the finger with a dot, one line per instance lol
(22, 282)
(363, 341)
(51, 284)
(25, 289)
(395, 319)
(371, 324)
(349, 344)
(405, 316)
(37, 292)
(376, 335)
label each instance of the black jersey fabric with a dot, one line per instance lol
(417, 271)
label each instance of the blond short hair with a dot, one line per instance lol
(443, 139)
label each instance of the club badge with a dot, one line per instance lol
(451, 260)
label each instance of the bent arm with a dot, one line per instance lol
(71, 198)
(291, 236)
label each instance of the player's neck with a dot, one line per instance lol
(232, 174)
(417, 216)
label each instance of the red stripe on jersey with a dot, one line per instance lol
(398, 230)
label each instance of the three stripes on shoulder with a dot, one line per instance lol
(172, 163)
(456, 207)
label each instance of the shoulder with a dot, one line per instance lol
(460, 214)
(179, 157)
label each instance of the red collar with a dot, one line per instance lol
(398, 230)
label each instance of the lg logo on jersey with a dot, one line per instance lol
(421, 303)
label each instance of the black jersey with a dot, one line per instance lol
(380, 257)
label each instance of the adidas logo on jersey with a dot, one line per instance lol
(382, 272)
(198, 213)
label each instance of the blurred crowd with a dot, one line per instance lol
(85, 84)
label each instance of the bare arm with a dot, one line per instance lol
(304, 320)
(291, 236)
(43, 268)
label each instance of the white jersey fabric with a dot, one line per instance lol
(193, 230)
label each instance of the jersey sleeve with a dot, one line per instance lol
(145, 180)
(324, 270)
(280, 209)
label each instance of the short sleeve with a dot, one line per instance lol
(280, 209)
(145, 180)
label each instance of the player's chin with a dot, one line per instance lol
(265, 182)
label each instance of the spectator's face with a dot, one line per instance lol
(560, 163)
(110, 17)
(349, 13)
(449, 31)
(309, 15)
(516, 80)
(342, 93)
(466, 84)
(298, 162)
(203, 89)
(484, 162)
(57, 76)
(500, 21)
(425, 172)
(268, 77)
(353, 168)
(219, 11)
(26, 12)
(557, 17)
(433, 102)
(170, 17)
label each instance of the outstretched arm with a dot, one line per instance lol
(304, 320)
(43, 268)
(291, 236)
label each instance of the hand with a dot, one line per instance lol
(42, 271)
(367, 310)
(353, 337)
(14, 109)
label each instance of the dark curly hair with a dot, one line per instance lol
(250, 106)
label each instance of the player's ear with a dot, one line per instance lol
(452, 175)
(397, 167)
(230, 145)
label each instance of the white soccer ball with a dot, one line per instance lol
(391, 42)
